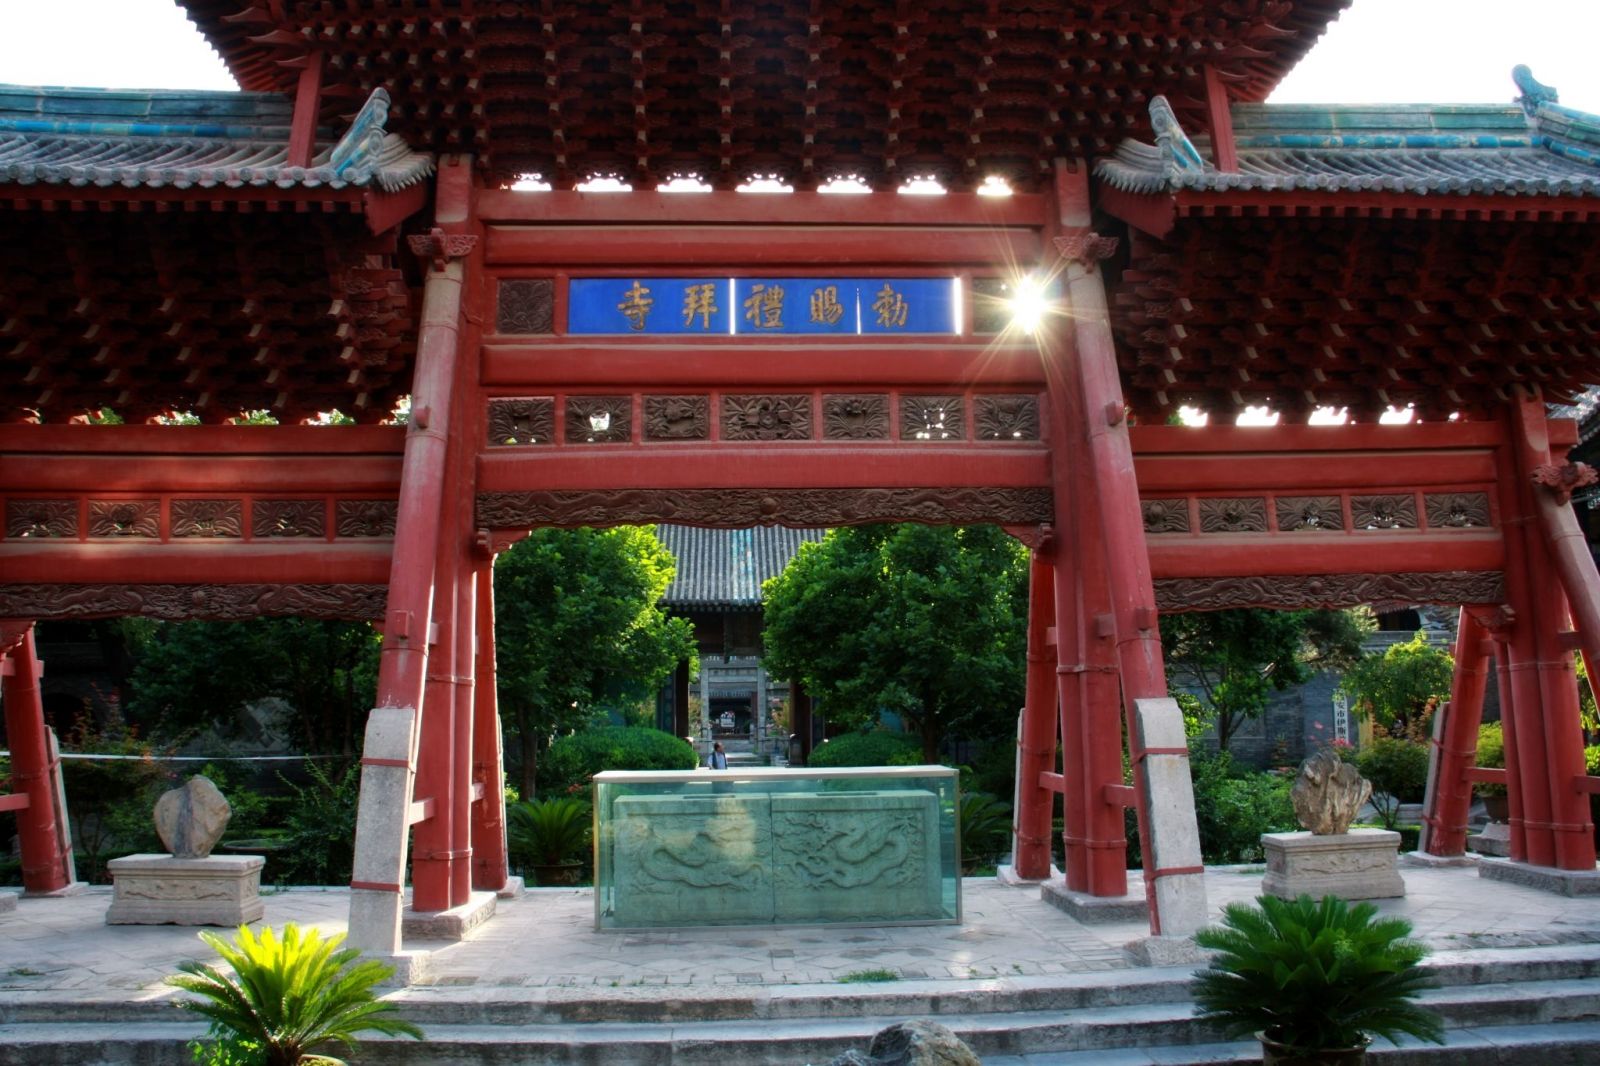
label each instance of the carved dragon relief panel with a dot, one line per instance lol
(41, 518)
(207, 518)
(1165, 515)
(1006, 417)
(288, 518)
(365, 518)
(783, 417)
(856, 416)
(125, 518)
(737, 508)
(185, 602)
(932, 418)
(1329, 590)
(1456, 510)
(1309, 514)
(677, 417)
(522, 420)
(599, 419)
(1384, 512)
(1233, 514)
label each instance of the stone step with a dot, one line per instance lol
(1559, 1010)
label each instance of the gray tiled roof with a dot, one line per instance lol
(105, 138)
(1417, 149)
(724, 568)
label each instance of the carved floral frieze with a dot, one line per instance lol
(41, 518)
(1233, 514)
(599, 419)
(1309, 514)
(1165, 515)
(365, 518)
(932, 418)
(1298, 591)
(288, 518)
(522, 420)
(1006, 417)
(1456, 510)
(677, 417)
(125, 518)
(207, 518)
(1384, 512)
(184, 602)
(525, 305)
(782, 417)
(856, 416)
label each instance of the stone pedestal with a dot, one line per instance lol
(163, 890)
(1360, 864)
(1493, 839)
(8, 902)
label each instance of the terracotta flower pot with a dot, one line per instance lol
(1276, 1054)
(553, 874)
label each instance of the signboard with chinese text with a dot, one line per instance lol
(748, 306)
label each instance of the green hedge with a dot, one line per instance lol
(868, 749)
(573, 760)
(1234, 806)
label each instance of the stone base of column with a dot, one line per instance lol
(1360, 864)
(1166, 951)
(1007, 874)
(1093, 910)
(8, 902)
(410, 967)
(74, 888)
(514, 888)
(453, 924)
(1433, 862)
(1546, 878)
(164, 890)
(1494, 839)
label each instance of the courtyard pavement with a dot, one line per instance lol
(61, 950)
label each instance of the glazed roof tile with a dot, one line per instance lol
(725, 568)
(1547, 150)
(105, 138)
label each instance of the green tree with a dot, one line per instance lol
(928, 622)
(1237, 659)
(1400, 688)
(191, 674)
(579, 627)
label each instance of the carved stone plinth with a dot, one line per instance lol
(8, 902)
(162, 890)
(1493, 839)
(1360, 864)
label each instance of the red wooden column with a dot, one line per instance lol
(489, 869)
(1446, 821)
(1517, 849)
(433, 835)
(384, 809)
(1037, 741)
(44, 858)
(1570, 827)
(463, 788)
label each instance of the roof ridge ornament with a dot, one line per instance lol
(358, 151)
(1562, 131)
(1177, 150)
(1534, 92)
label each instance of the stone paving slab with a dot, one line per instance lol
(61, 949)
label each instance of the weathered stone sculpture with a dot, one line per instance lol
(1328, 794)
(190, 820)
(913, 1043)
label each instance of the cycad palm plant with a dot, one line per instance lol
(287, 997)
(1313, 976)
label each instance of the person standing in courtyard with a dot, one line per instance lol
(718, 759)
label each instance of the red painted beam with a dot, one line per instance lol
(1365, 436)
(1311, 553)
(1052, 782)
(1489, 775)
(1361, 472)
(791, 209)
(1589, 784)
(30, 562)
(190, 441)
(774, 466)
(17, 802)
(731, 367)
(641, 248)
(234, 475)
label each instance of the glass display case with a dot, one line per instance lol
(860, 846)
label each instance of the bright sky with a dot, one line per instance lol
(1380, 51)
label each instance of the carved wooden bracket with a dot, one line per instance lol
(438, 247)
(1086, 247)
(1562, 480)
(12, 630)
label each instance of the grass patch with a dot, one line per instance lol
(857, 977)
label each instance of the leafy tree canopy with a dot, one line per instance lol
(1237, 659)
(1399, 688)
(928, 622)
(578, 626)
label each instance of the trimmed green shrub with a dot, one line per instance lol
(1398, 770)
(877, 748)
(1234, 806)
(985, 828)
(1492, 753)
(572, 761)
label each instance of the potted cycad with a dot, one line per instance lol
(1313, 981)
(550, 838)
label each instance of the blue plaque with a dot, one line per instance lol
(908, 305)
(648, 305)
(795, 305)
